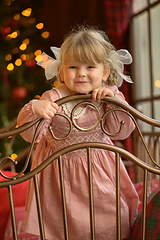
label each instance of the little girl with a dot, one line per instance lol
(85, 63)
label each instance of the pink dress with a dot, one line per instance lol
(75, 174)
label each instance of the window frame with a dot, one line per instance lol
(152, 98)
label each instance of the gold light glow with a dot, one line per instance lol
(18, 62)
(23, 57)
(27, 57)
(15, 50)
(37, 97)
(43, 58)
(38, 58)
(14, 156)
(27, 12)
(8, 37)
(7, 3)
(45, 34)
(38, 52)
(14, 34)
(8, 57)
(39, 25)
(26, 41)
(16, 17)
(23, 46)
(10, 67)
(157, 83)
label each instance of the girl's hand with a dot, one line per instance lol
(100, 93)
(45, 109)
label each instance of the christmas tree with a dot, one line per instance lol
(21, 41)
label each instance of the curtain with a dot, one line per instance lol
(118, 15)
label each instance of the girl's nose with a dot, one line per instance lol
(81, 73)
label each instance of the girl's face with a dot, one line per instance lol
(83, 77)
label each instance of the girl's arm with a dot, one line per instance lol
(45, 108)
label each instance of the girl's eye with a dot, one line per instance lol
(90, 67)
(72, 67)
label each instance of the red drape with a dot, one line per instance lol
(118, 15)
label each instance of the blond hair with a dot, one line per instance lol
(88, 45)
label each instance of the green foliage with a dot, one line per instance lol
(24, 82)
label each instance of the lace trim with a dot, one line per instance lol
(63, 91)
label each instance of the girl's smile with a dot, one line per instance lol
(83, 77)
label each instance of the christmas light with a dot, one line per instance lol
(26, 12)
(14, 156)
(7, 3)
(39, 58)
(27, 57)
(10, 67)
(16, 17)
(23, 57)
(37, 97)
(14, 34)
(39, 25)
(26, 41)
(45, 34)
(8, 57)
(18, 62)
(15, 50)
(23, 46)
(37, 53)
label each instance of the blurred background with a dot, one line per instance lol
(29, 27)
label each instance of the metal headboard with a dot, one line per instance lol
(21, 177)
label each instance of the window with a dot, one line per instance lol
(146, 55)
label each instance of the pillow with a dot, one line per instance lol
(152, 219)
(20, 216)
(19, 195)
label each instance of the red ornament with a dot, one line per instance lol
(19, 93)
(11, 22)
(5, 31)
(30, 64)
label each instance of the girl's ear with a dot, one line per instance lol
(106, 74)
(61, 74)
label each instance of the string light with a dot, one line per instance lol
(14, 156)
(16, 17)
(10, 67)
(26, 12)
(37, 53)
(23, 57)
(26, 41)
(15, 34)
(23, 46)
(27, 57)
(39, 25)
(7, 3)
(37, 97)
(15, 50)
(18, 62)
(45, 34)
(39, 58)
(8, 57)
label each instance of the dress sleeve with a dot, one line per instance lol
(27, 114)
(113, 119)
